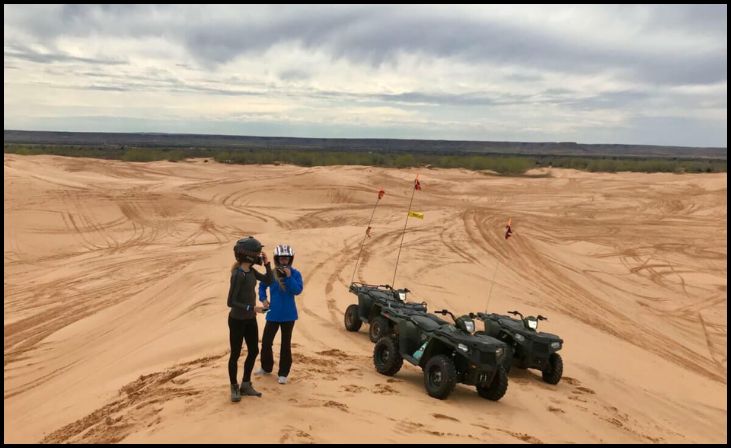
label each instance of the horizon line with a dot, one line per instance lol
(365, 138)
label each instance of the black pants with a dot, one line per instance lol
(238, 331)
(285, 352)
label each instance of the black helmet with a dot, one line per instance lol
(248, 250)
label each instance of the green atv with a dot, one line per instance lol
(447, 353)
(371, 300)
(527, 347)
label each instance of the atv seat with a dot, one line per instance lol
(425, 323)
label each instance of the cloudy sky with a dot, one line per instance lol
(590, 74)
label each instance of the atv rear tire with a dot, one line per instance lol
(552, 374)
(352, 321)
(440, 376)
(386, 357)
(379, 328)
(497, 387)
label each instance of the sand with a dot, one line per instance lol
(116, 277)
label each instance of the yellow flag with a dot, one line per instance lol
(419, 215)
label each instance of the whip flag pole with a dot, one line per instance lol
(508, 234)
(381, 192)
(417, 186)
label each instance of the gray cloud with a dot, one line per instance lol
(463, 99)
(294, 75)
(691, 19)
(610, 100)
(474, 68)
(21, 52)
(663, 130)
(378, 34)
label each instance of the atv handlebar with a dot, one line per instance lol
(516, 313)
(445, 312)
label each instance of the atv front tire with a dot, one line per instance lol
(440, 376)
(552, 373)
(497, 388)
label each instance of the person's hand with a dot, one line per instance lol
(259, 309)
(287, 271)
(264, 258)
(265, 304)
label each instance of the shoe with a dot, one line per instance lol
(282, 380)
(235, 394)
(248, 389)
(261, 371)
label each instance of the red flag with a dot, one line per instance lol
(417, 185)
(381, 193)
(368, 231)
(508, 230)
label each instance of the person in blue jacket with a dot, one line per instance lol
(286, 283)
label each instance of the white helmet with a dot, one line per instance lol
(283, 250)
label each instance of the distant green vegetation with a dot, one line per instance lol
(512, 165)
(647, 165)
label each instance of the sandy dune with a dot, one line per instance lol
(116, 277)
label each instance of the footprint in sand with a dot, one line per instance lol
(409, 427)
(335, 404)
(556, 410)
(444, 417)
(524, 437)
(384, 389)
(335, 353)
(353, 388)
(293, 435)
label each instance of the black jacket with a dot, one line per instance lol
(242, 292)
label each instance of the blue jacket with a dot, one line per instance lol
(282, 307)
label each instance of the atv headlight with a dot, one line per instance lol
(555, 345)
(469, 326)
(402, 296)
(533, 324)
(499, 353)
(519, 337)
(463, 347)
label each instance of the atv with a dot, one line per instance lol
(371, 300)
(527, 348)
(447, 353)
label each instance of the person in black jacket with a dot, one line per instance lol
(242, 318)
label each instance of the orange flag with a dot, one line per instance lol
(381, 193)
(508, 230)
(417, 185)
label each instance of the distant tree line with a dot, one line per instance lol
(503, 164)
